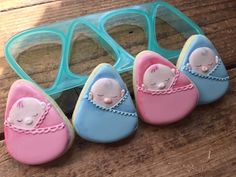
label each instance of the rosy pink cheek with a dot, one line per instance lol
(99, 99)
(115, 100)
(198, 69)
(96, 97)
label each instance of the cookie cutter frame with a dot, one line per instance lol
(141, 15)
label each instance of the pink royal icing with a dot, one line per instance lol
(35, 132)
(168, 104)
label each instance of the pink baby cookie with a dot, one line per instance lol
(163, 94)
(36, 130)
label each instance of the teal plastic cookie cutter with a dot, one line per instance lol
(141, 15)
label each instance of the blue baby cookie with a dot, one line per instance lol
(105, 111)
(200, 61)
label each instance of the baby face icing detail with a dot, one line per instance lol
(26, 112)
(202, 60)
(106, 92)
(158, 77)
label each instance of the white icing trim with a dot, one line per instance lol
(112, 108)
(34, 131)
(166, 91)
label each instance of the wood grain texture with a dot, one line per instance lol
(217, 18)
(15, 4)
(203, 144)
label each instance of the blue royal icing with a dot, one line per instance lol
(100, 124)
(213, 85)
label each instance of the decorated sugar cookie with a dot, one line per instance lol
(163, 94)
(104, 112)
(36, 130)
(200, 61)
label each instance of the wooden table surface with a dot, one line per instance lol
(203, 144)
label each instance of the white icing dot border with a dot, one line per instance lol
(112, 108)
(207, 76)
(167, 91)
(37, 130)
